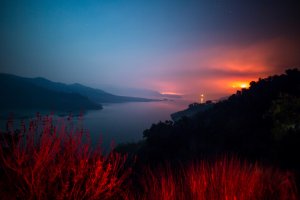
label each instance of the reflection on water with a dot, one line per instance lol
(124, 122)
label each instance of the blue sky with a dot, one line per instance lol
(176, 46)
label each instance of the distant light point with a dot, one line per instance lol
(202, 98)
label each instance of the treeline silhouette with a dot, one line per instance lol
(260, 123)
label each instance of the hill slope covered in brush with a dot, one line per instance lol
(262, 122)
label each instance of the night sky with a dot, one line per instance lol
(173, 46)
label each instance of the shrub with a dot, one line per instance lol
(55, 161)
(224, 179)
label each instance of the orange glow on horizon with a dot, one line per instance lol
(221, 70)
(239, 84)
(170, 93)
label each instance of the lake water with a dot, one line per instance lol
(125, 122)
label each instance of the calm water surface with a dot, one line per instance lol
(121, 123)
(126, 122)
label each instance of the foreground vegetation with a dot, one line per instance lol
(54, 161)
(51, 160)
(221, 179)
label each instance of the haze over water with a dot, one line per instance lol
(120, 122)
(126, 122)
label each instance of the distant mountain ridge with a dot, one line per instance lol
(93, 94)
(140, 92)
(40, 93)
(19, 93)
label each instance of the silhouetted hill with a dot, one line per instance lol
(93, 94)
(192, 110)
(20, 93)
(262, 122)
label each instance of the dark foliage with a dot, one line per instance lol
(259, 123)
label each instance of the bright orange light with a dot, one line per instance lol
(241, 85)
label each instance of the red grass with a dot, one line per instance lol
(225, 179)
(56, 162)
(48, 161)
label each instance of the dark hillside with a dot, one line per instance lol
(262, 122)
(17, 93)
